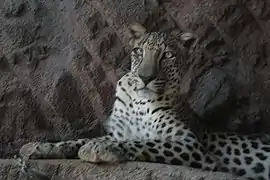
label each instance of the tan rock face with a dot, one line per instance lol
(60, 60)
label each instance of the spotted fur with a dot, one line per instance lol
(149, 119)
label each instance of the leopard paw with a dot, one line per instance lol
(29, 151)
(101, 152)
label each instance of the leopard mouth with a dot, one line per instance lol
(144, 89)
(146, 93)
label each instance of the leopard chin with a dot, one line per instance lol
(146, 93)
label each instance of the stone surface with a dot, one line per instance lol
(60, 60)
(212, 91)
(75, 170)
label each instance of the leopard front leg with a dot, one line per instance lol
(105, 149)
(168, 152)
(59, 150)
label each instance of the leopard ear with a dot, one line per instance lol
(188, 39)
(186, 36)
(183, 36)
(136, 32)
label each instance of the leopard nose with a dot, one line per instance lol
(147, 79)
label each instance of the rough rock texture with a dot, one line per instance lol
(60, 60)
(75, 170)
(212, 90)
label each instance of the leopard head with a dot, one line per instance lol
(157, 61)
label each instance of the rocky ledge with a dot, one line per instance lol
(77, 170)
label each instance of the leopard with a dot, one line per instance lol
(149, 119)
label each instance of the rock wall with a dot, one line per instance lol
(60, 60)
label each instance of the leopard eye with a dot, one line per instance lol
(168, 54)
(137, 50)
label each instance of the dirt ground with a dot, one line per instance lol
(60, 60)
